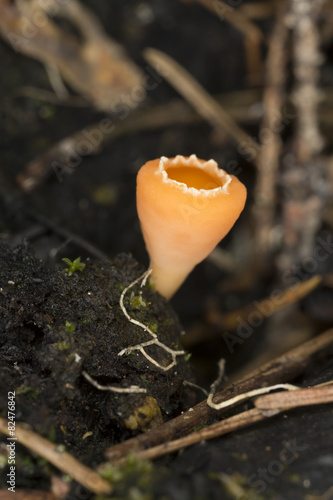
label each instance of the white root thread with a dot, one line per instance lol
(140, 347)
(221, 373)
(248, 395)
(195, 386)
(132, 389)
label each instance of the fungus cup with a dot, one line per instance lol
(185, 206)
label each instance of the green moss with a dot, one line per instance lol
(118, 474)
(137, 302)
(153, 327)
(31, 391)
(63, 346)
(70, 327)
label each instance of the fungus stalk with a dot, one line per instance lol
(185, 206)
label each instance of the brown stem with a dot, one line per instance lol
(281, 369)
(272, 124)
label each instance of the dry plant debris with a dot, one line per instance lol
(253, 36)
(265, 408)
(197, 96)
(97, 67)
(59, 458)
(277, 371)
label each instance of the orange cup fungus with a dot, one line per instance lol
(185, 206)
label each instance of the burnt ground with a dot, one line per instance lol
(53, 326)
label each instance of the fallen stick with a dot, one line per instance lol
(310, 396)
(279, 370)
(62, 460)
(198, 97)
(266, 406)
(223, 427)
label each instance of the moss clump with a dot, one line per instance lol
(137, 302)
(63, 346)
(136, 479)
(70, 327)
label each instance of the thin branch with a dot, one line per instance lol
(195, 386)
(279, 370)
(304, 397)
(237, 104)
(252, 34)
(218, 381)
(49, 96)
(319, 394)
(65, 233)
(228, 321)
(306, 189)
(59, 156)
(60, 459)
(307, 60)
(272, 125)
(247, 395)
(198, 97)
(220, 428)
(235, 17)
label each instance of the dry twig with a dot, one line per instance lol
(65, 156)
(198, 97)
(220, 428)
(307, 59)
(60, 459)
(320, 394)
(271, 127)
(279, 402)
(252, 34)
(277, 301)
(305, 181)
(94, 65)
(279, 370)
